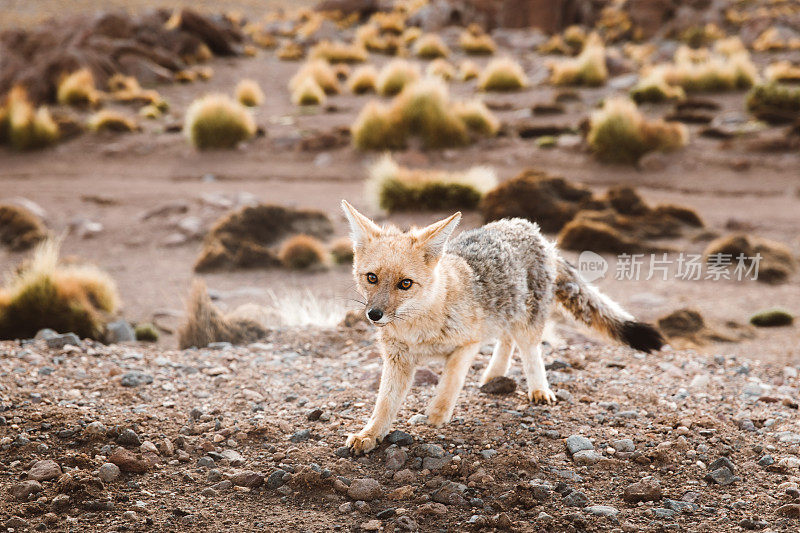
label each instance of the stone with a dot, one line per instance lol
(108, 472)
(300, 436)
(395, 457)
(275, 479)
(136, 378)
(646, 490)
(57, 342)
(233, 457)
(364, 489)
(499, 385)
(44, 470)
(575, 498)
(720, 462)
(433, 508)
(577, 443)
(95, 431)
(624, 445)
(766, 460)
(128, 437)
(450, 493)
(602, 510)
(664, 514)
(790, 510)
(119, 331)
(371, 525)
(22, 491)
(247, 478)
(127, 461)
(680, 506)
(417, 419)
(401, 438)
(587, 457)
(488, 454)
(722, 476)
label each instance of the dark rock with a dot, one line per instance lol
(21, 491)
(247, 478)
(136, 378)
(301, 436)
(576, 443)
(275, 479)
(57, 342)
(128, 437)
(575, 499)
(119, 331)
(401, 438)
(499, 385)
(722, 476)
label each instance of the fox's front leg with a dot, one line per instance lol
(396, 379)
(455, 371)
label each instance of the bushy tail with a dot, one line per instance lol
(205, 323)
(591, 307)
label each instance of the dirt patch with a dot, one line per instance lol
(777, 262)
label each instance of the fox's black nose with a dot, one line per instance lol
(375, 314)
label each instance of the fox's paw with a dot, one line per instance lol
(360, 443)
(438, 417)
(542, 396)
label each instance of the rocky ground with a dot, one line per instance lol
(128, 438)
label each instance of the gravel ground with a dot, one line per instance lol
(130, 438)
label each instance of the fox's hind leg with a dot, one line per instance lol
(500, 361)
(529, 341)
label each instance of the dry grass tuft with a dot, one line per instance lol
(146, 332)
(619, 133)
(113, 121)
(290, 51)
(375, 129)
(653, 88)
(321, 72)
(308, 92)
(302, 252)
(395, 188)
(363, 79)
(588, 68)
(67, 298)
(476, 43)
(395, 75)
(370, 37)
(468, 70)
(774, 103)
(19, 228)
(27, 127)
(477, 117)
(430, 46)
(423, 109)
(205, 323)
(249, 93)
(783, 71)
(502, 74)
(216, 121)
(704, 71)
(339, 52)
(77, 89)
(342, 251)
(440, 68)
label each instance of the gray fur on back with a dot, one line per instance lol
(514, 268)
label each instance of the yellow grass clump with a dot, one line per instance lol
(66, 298)
(440, 68)
(468, 70)
(774, 102)
(339, 52)
(342, 251)
(770, 41)
(249, 93)
(150, 111)
(204, 73)
(370, 37)
(653, 88)
(395, 75)
(308, 92)
(430, 46)
(24, 126)
(113, 121)
(363, 79)
(395, 188)
(704, 71)
(587, 68)
(290, 51)
(375, 129)
(619, 133)
(389, 21)
(321, 72)
(302, 252)
(477, 117)
(77, 89)
(502, 74)
(423, 109)
(783, 71)
(216, 121)
(476, 44)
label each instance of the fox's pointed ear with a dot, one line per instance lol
(361, 228)
(434, 237)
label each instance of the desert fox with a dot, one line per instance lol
(433, 297)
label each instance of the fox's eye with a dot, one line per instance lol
(372, 278)
(405, 284)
